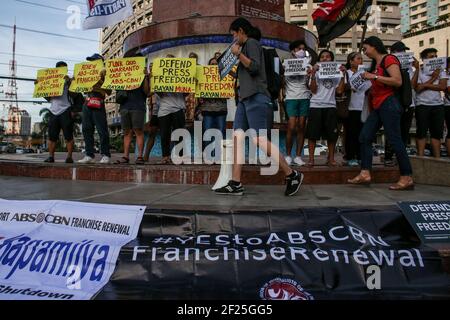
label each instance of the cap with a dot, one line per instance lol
(399, 47)
(94, 57)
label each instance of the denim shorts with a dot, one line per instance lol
(253, 113)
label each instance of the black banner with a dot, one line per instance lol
(310, 254)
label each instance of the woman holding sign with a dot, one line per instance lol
(386, 111)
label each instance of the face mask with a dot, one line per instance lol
(300, 54)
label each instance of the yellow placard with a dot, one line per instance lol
(173, 75)
(124, 74)
(210, 86)
(87, 75)
(50, 82)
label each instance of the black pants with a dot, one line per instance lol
(353, 126)
(405, 127)
(95, 118)
(447, 120)
(167, 125)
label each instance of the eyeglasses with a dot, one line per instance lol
(364, 50)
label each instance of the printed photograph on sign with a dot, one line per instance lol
(86, 75)
(209, 84)
(50, 82)
(329, 70)
(226, 62)
(124, 74)
(430, 65)
(176, 75)
(358, 83)
(296, 67)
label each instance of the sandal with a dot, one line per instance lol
(332, 164)
(359, 180)
(165, 161)
(402, 187)
(124, 160)
(140, 161)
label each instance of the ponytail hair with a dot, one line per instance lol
(242, 23)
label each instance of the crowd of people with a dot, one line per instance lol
(311, 105)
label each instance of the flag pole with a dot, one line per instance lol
(364, 32)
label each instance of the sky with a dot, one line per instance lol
(56, 48)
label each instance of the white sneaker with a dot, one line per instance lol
(87, 160)
(299, 161)
(105, 160)
(288, 160)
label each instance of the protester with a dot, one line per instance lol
(61, 118)
(322, 121)
(152, 127)
(214, 111)
(297, 101)
(386, 111)
(133, 114)
(353, 123)
(447, 108)
(430, 112)
(252, 110)
(171, 116)
(408, 114)
(94, 116)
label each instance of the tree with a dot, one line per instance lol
(45, 114)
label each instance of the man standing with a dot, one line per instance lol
(252, 110)
(61, 118)
(94, 116)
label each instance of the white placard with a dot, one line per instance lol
(430, 65)
(358, 83)
(329, 70)
(296, 67)
(406, 59)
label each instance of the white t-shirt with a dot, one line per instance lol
(429, 97)
(358, 98)
(60, 104)
(297, 87)
(325, 97)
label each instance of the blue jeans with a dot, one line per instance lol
(215, 122)
(389, 116)
(92, 119)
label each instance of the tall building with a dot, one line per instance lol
(426, 24)
(383, 23)
(19, 123)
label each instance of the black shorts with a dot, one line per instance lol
(322, 123)
(60, 122)
(132, 119)
(154, 121)
(447, 120)
(430, 118)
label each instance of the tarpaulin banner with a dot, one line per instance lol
(209, 84)
(86, 75)
(60, 250)
(50, 82)
(305, 254)
(103, 13)
(124, 74)
(333, 18)
(176, 75)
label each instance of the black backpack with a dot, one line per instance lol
(403, 93)
(273, 78)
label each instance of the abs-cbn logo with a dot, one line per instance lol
(40, 218)
(284, 289)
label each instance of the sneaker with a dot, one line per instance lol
(231, 189)
(49, 160)
(294, 183)
(299, 161)
(69, 160)
(87, 160)
(288, 160)
(105, 160)
(353, 163)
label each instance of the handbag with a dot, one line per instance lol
(94, 102)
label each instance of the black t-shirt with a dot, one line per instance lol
(136, 100)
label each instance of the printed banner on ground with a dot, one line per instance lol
(226, 62)
(296, 67)
(50, 82)
(430, 65)
(209, 84)
(430, 219)
(103, 13)
(406, 59)
(317, 253)
(124, 74)
(86, 75)
(329, 70)
(358, 83)
(174, 75)
(60, 250)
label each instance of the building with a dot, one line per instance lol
(19, 123)
(383, 23)
(426, 24)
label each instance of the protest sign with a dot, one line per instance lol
(86, 75)
(50, 82)
(430, 65)
(103, 13)
(406, 59)
(296, 67)
(226, 62)
(329, 70)
(358, 83)
(124, 74)
(209, 84)
(174, 75)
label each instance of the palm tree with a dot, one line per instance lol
(45, 114)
